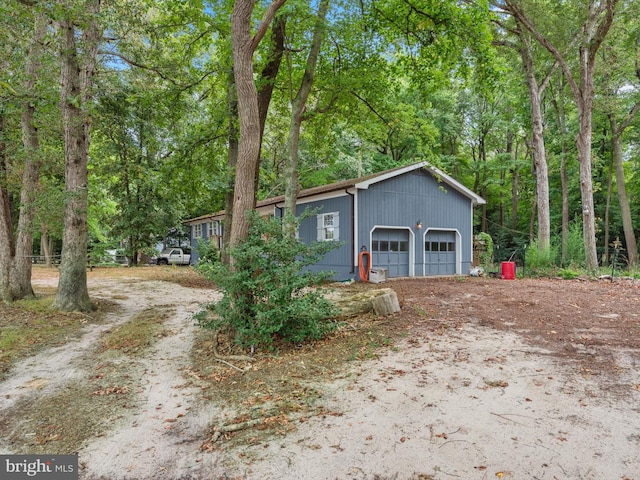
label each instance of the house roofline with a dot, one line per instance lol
(361, 183)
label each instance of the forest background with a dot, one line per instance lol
(120, 119)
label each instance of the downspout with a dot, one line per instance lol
(353, 232)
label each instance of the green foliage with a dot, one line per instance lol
(208, 253)
(568, 274)
(540, 260)
(575, 245)
(484, 245)
(268, 294)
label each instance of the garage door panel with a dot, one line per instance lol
(390, 250)
(440, 253)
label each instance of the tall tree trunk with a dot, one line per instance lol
(534, 205)
(232, 161)
(268, 77)
(583, 142)
(607, 209)
(298, 107)
(244, 45)
(538, 150)
(45, 247)
(558, 105)
(515, 175)
(78, 65)
(267, 84)
(564, 187)
(627, 222)
(21, 271)
(6, 220)
(244, 192)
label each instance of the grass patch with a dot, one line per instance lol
(65, 421)
(142, 331)
(28, 326)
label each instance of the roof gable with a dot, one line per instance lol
(363, 183)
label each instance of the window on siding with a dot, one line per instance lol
(215, 228)
(328, 225)
(197, 230)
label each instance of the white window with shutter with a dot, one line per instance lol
(328, 225)
(218, 228)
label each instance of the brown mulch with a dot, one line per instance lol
(592, 323)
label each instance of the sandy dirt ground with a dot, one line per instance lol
(525, 379)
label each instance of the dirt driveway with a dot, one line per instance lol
(475, 379)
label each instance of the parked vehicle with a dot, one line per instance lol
(174, 256)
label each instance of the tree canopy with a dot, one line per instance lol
(183, 105)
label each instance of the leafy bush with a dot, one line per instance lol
(485, 255)
(540, 260)
(568, 274)
(208, 252)
(268, 294)
(575, 244)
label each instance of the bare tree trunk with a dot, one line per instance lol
(21, 271)
(564, 179)
(627, 222)
(583, 142)
(268, 77)
(78, 65)
(298, 107)
(564, 186)
(515, 175)
(244, 45)
(267, 82)
(45, 247)
(607, 207)
(232, 161)
(538, 151)
(534, 206)
(6, 221)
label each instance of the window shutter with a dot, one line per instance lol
(336, 226)
(319, 228)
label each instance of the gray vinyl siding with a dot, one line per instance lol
(339, 260)
(403, 200)
(387, 212)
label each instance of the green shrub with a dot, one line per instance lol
(540, 260)
(208, 253)
(484, 243)
(575, 245)
(568, 274)
(268, 294)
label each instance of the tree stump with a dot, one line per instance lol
(386, 304)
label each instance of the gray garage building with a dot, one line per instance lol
(413, 221)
